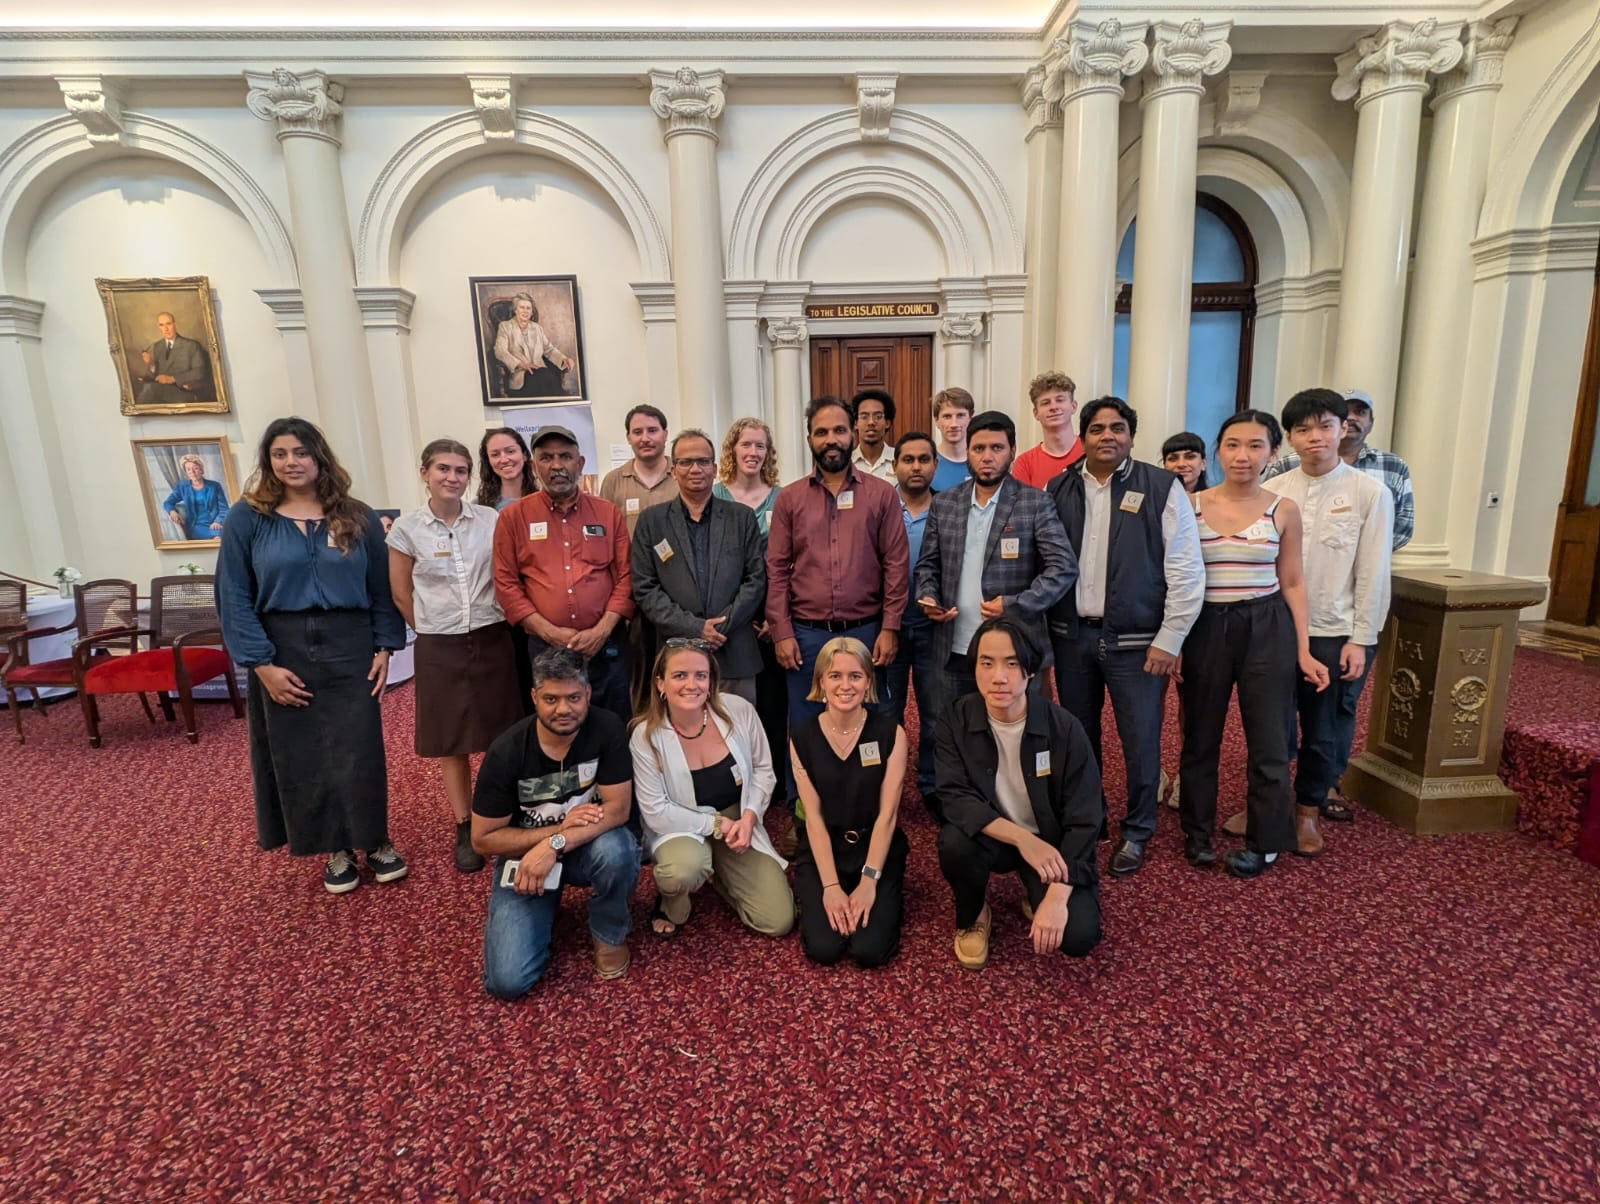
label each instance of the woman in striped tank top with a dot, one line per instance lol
(1251, 633)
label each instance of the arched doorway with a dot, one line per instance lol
(1221, 322)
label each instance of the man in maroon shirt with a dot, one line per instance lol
(837, 559)
(561, 569)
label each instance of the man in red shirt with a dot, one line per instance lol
(1054, 405)
(561, 570)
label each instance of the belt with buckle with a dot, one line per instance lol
(834, 626)
(852, 835)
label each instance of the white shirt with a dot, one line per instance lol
(1185, 571)
(1010, 791)
(969, 585)
(1347, 525)
(452, 575)
(883, 469)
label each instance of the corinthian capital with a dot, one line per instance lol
(1398, 58)
(689, 101)
(1483, 57)
(1185, 54)
(786, 332)
(1094, 58)
(305, 105)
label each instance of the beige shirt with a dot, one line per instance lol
(452, 575)
(1010, 790)
(883, 469)
(624, 490)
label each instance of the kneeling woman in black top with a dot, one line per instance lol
(849, 766)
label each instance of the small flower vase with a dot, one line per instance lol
(65, 589)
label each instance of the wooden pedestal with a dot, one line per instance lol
(1439, 703)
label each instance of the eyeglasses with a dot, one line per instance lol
(683, 641)
(692, 462)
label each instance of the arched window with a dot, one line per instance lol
(1222, 317)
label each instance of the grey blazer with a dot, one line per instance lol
(1042, 569)
(187, 362)
(669, 596)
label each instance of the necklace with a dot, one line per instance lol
(705, 718)
(847, 733)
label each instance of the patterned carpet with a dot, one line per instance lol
(186, 1016)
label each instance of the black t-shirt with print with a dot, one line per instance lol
(518, 780)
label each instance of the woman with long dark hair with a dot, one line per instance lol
(303, 591)
(441, 572)
(505, 469)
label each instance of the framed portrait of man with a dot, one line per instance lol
(163, 337)
(530, 341)
(188, 485)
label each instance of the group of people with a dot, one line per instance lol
(696, 643)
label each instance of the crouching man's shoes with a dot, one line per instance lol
(972, 944)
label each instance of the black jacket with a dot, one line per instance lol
(1067, 803)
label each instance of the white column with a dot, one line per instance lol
(958, 334)
(1163, 253)
(386, 314)
(1092, 60)
(690, 102)
(289, 316)
(1041, 97)
(1387, 73)
(305, 109)
(1440, 306)
(40, 532)
(788, 338)
(658, 309)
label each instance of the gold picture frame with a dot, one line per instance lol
(167, 487)
(142, 347)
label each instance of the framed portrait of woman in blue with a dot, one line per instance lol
(188, 485)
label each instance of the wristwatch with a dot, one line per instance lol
(868, 872)
(558, 842)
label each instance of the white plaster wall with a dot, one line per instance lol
(872, 239)
(513, 214)
(132, 217)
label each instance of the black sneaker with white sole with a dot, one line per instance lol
(386, 865)
(339, 875)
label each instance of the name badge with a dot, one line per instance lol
(586, 772)
(1340, 510)
(1340, 502)
(442, 554)
(1010, 549)
(847, 500)
(1041, 765)
(738, 775)
(1131, 502)
(331, 542)
(538, 530)
(593, 531)
(631, 506)
(869, 753)
(664, 551)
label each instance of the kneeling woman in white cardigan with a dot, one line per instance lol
(702, 776)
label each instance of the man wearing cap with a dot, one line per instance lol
(1384, 466)
(561, 569)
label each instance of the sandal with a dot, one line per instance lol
(658, 914)
(1338, 810)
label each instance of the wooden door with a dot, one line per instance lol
(1575, 560)
(900, 364)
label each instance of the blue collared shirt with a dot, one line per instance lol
(969, 587)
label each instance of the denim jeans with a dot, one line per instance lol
(914, 662)
(1327, 723)
(516, 940)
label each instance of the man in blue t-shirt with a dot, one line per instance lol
(913, 471)
(952, 411)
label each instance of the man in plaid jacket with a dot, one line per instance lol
(992, 546)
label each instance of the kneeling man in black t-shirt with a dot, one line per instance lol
(551, 805)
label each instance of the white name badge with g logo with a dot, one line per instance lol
(663, 551)
(538, 530)
(1041, 765)
(1010, 548)
(631, 506)
(738, 775)
(869, 753)
(847, 500)
(1131, 502)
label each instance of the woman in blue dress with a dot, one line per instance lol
(197, 505)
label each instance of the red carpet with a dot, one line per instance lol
(186, 1016)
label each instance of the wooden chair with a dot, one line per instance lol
(100, 607)
(184, 626)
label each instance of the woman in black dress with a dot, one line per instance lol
(850, 764)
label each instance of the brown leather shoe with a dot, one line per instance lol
(1307, 835)
(611, 961)
(1234, 825)
(787, 842)
(972, 944)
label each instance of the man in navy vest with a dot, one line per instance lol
(1140, 585)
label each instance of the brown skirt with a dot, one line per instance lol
(466, 691)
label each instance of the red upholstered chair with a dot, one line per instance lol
(101, 607)
(183, 630)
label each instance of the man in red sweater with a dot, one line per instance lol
(1055, 406)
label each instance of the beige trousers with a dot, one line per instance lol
(751, 883)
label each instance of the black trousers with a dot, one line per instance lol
(772, 703)
(872, 945)
(1250, 645)
(1086, 669)
(1327, 723)
(967, 863)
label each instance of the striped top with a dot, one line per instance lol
(1243, 566)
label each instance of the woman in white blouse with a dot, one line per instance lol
(702, 777)
(441, 562)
